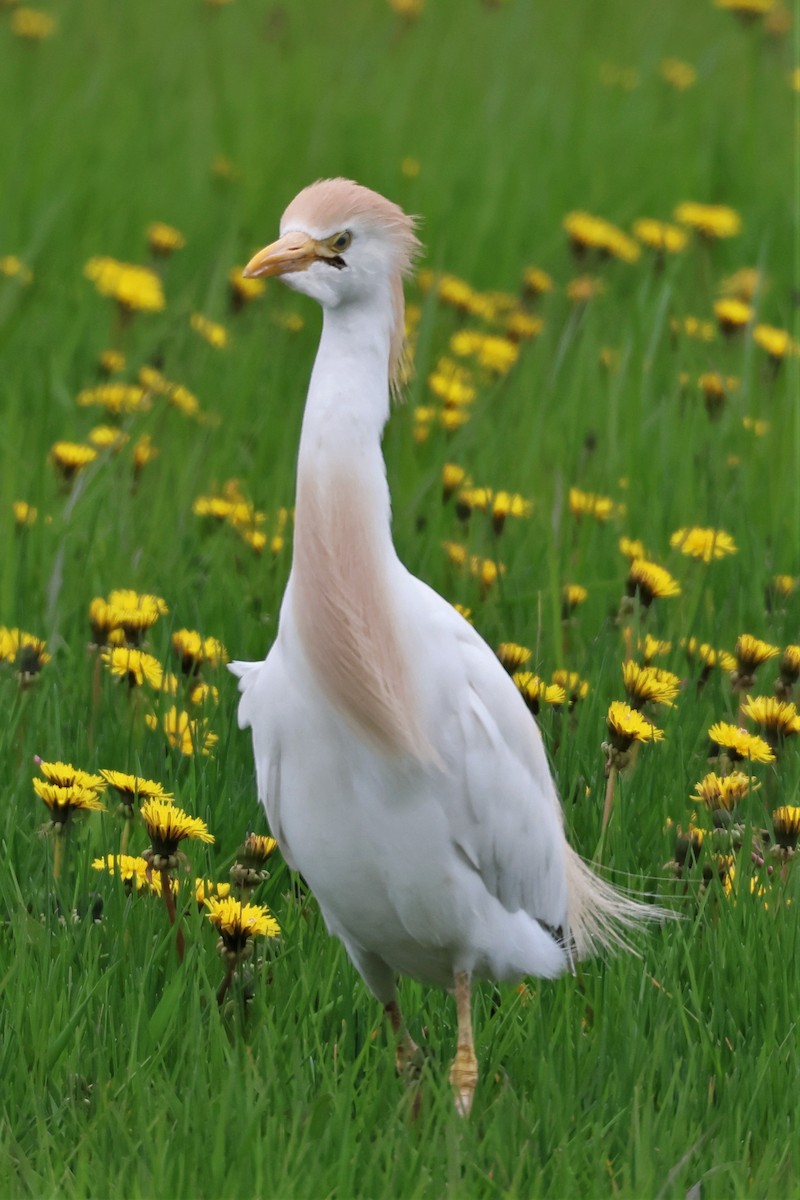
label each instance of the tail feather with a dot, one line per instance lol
(600, 916)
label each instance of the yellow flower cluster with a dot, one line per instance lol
(587, 232)
(135, 288)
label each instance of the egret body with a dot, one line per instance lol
(400, 769)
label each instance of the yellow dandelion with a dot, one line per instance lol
(119, 399)
(732, 314)
(786, 823)
(64, 775)
(649, 685)
(244, 289)
(705, 544)
(167, 826)
(536, 691)
(26, 652)
(574, 687)
(756, 426)
(134, 872)
(70, 458)
(709, 220)
(184, 733)
(750, 652)
(144, 452)
(453, 477)
(513, 656)
(238, 923)
(626, 725)
(709, 656)
(131, 788)
(216, 335)
(652, 648)
(164, 240)
(111, 361)
(536, 282)
(205, 889)
(678, 74)
(108, 437)
(134, 666)
(739, 744)
(659, 235)
(12, 267)
(584, 288)
(64, 801)
(724, 791)
(31, 24)
(508, 504)
(602, 508)
(572, 595)
(778, 718)
(649, 581)
(25, 514)
(777, 343)
(632, 548)
(587, 232)
(135, 288)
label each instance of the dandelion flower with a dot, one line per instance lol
(111, 361)
(778, 718)
(238, 924)
(587, 232)
(135, 872)
(706, 544)
(119, 399)
(575, 688)
(535, 691)
(31, 24)
(536, 282)
(204, 889)
(750, 653)
(786, 823)
(135, 288)
(453, 477)
(632, 548)
(134, 666)
(652, 648)
(25, 514)
(739, 744)
(184, 733)
(164, 240)
(243, 289)
(732, 315)
(626, 725)
(777, 343)
(789, 670)
(602, 508)
(64, 775)
(508, 504)
(25, 651)
(649, 685)
(216, 335)
(709, 220)
(131, 788)
(167, 826)
(678, 74)
(69, 458)
(724, 791)
(513, 656)
(659, 235)
(650, 581)
(584, 288)
(64, 801)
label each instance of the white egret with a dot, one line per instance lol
(400, 769)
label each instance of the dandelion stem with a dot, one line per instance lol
(609, 800)
(58, 854)
(222, 990)
(169, 900)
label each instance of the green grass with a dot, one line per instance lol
(644, 1077)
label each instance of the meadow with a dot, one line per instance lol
(579, 386)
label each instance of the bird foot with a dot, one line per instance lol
(464, 1079)
(408, 1059)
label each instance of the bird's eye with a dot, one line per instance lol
(341, 241)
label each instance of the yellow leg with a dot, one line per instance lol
(406, 1054)
(464, 1071)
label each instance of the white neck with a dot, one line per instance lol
(345, 571)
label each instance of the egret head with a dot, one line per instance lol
(341, 244)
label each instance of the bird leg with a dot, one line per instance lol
(407, 1054)
(464, 1071)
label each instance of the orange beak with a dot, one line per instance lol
(292, 252)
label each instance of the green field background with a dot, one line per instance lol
(669, 1074)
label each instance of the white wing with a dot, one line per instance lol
(497, 788)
